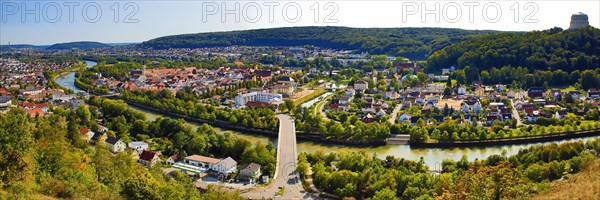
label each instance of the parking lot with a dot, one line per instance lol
(207, 180)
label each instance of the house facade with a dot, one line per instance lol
(138, 146)
(115, 145)
(225, 166)
(200, 161)
(148, 158)
(250, 171)
(361, 85)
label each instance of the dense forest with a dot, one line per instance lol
(360, 176)
(413, 43)
(537, 50)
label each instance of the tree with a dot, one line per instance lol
(589, 79)
(436, 134)
(385, 194)
(461, 78)
(15, 131)
(13, 168)
(289, 104)
(233, 120)
(84, 114)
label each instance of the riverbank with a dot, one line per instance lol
(310, 137)
(508, 141)
(320, 139)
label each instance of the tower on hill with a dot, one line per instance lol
(579, 20)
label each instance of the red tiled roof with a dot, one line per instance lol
(257, 104)
(36, 112)
(147, 155)
(28, 104)
(42, 105)
(84, 130)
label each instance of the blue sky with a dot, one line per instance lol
(155, 18)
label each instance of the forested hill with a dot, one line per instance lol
(550, 49)
(414, 43)
(78, 45)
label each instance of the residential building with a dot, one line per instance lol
(86, 134)
(561, 114)
(510, 94)
(593, 93)
(5, 102)
(480, 92)
(575, 94)
(286, 80)
(361, 85)
(250, 171)
(225, 166)
(536, 92)
(404, 117)
(173, 159)
(115, 145)
(462, 90)
(138, 146)
(148, 158)
(465, 108)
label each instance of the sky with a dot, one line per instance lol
(44, 22)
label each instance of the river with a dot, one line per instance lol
(68, 81)
(308, 104)
(432, 156)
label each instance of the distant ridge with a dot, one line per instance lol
(414, 43)
(22, 46)
(77, 45)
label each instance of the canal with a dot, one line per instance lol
(432, 156)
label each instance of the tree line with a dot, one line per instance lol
(522, 77)
(550, 49)
(414, 43)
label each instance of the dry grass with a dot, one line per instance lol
(306, 95)
(583, 185)
(452, 103)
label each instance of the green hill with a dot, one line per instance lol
(414, 43)
(550, 49)
(21, 46)
(77, 45)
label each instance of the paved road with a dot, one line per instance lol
(285, 174)
(395, 113)
(321, 105)
(515, 113)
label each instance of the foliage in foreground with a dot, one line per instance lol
(41, 158)
(519, 176)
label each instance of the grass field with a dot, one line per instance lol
(583, 185)
(451, 103)
(307, 95)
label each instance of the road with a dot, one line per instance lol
(395, 113)
(285, 172)
(319, 106)
(515, 113)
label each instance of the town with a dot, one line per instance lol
(304, 113)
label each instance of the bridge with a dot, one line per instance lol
(286, 175)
